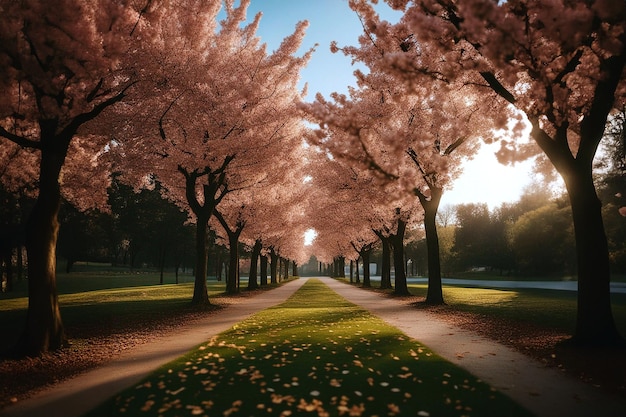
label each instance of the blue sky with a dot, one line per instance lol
(328, 20)
(483, 179)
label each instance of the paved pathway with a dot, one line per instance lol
(543, 391)
(76, 396)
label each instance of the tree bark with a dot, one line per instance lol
(434, 294)
(200, 292)
(7, 259)
(294, 270)
(44, 328)
(254, 260)
(397, 243)
(273, 266)
(263, 270)
(385, 273)
(365, 254)
(351, 271)
(286, 269)
(232, 284)
(595, 324)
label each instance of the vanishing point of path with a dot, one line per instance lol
(541, 390)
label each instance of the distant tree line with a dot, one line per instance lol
(530, 237)
(141, 229)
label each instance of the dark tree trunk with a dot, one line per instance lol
(273, 266)
(434, 294)
(286, 269)
(44, 328)
(385, 273)
(7, 259)
(342, 266)
(356, 272)
(200, 292)
(213, 191)
(263, 270)
(294, 270)
(365, 254)
(595, 324)
(351, 271)
(254, 260)
(232, 284)
(397, 242)
(218, 265)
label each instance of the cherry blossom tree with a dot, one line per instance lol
(215, 107)
(276, 204)
(560, 63)
(59, 71)
(351, 210)
(416, 135)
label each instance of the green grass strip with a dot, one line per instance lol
(316, 354)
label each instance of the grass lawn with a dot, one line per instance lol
(315, 354)
(550, 308)
(103, 297)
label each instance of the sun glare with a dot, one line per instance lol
(309, 237)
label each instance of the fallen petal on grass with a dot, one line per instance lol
(289, 367)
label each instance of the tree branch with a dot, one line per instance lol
(83, 118)
(460, 141)
(497, 86)
(19, 140)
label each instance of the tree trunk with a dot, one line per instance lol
(434, 294)
(200, 292)
(385, 273)
(44, 328)
(351, 271)
(263, 270)
(7, 258)
(595, 324)
(365, 254)
(218, 264)
(232, 283)
(254, 260)
(294, 270)
(273, 266)
(397, 242)
(286, 269)
(356, 272)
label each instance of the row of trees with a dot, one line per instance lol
(448, 74)
(152, 93)
(166, 93)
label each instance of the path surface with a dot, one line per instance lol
(543, 391)
(76, 396)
